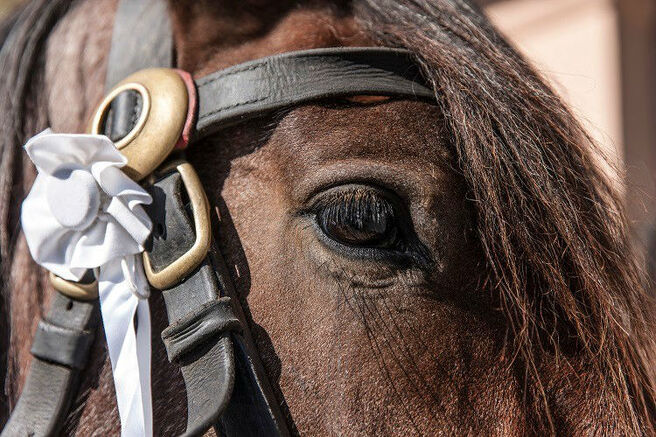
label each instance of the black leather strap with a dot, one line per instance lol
(204, 329)
(201, 326)
(61, 345)
(142, 38)
(206, 361)
(253, 409)
(251, 89)
(60, 349)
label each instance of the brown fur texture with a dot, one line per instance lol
(526, 312)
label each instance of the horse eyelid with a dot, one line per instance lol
(409, 249)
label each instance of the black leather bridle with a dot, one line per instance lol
(208, 335)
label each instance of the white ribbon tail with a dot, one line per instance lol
(129, 348)
(143, 355)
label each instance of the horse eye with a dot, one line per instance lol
(359, 218)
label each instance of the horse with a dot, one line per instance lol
(407, 268)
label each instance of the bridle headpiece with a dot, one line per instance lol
(152, 112)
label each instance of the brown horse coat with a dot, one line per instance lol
(518, 307)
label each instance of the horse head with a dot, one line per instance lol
(404, 266)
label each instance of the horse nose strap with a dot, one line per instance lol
(208, 321)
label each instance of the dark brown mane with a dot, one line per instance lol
(23, 37)
(549, 220)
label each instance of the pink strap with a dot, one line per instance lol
(185, 136)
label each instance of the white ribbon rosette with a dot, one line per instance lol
(84, 213)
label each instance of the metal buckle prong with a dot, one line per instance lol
(181, 267)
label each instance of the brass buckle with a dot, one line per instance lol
(181, 267)
(162, 119)
(75, 290)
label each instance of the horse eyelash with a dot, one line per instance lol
(356, 206)
(357, 203)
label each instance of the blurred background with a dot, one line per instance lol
(600, 55)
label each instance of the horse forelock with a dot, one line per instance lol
(550, 222)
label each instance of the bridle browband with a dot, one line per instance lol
(208, 335)
(259, 87)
